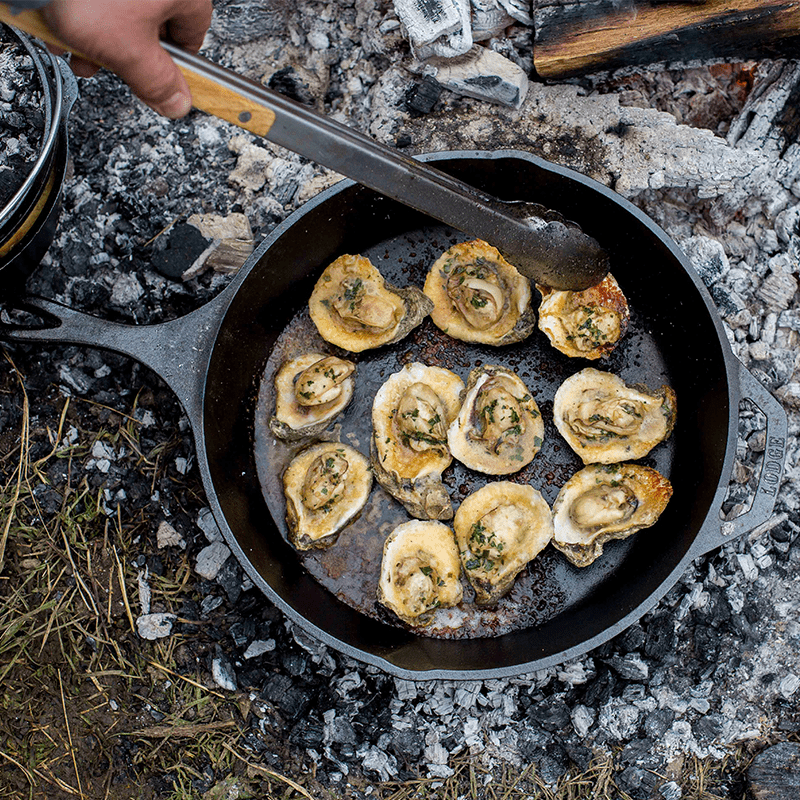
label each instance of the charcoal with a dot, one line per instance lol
(407, 745)
(658, 722)
(775, 772)
(601, 689)
(552, 716)
(639, 783)
(237, 633)
(707, 727)
(21, 123)
(307, 733)
(289, 698)
(579, 754)
(632, 639)
(531, 742)
(631, 667)
(295, 663)
(155, 564)
(343, 733)
(287, 82)
(229, 578)
(211, 559)
(189, 610)
(554, 763)
(728, 301)
(178, 249)
(661, 639)
(423, 96)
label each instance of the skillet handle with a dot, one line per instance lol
(716, 533)
(178, 350)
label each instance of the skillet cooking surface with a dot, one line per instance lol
(350, 568)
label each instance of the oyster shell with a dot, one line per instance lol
(354, 308)
(585, 324)
(410, 416)
(419, 571)
(604, 502)
(499, 529)
(604, 420)
(478, 296)
(499, 428)
(310, 391)
(326, 486)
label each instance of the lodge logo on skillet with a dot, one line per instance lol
(773, 468)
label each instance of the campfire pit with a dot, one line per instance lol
(710, 663)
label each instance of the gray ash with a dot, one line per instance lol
(21, 121)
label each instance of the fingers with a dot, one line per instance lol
(189, 24)
(154, 78)
(82, 68)
(124, 37)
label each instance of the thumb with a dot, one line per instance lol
(156, 80)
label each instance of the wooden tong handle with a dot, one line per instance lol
(207, 93)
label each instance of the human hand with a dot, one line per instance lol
(124, 35)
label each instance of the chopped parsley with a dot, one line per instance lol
(351, 292)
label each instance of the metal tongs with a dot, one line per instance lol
(540, 243)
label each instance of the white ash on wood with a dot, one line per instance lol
(483, 74)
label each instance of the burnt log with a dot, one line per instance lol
(575, 38)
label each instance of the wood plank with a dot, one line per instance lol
(579, 38)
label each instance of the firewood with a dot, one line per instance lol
(574, 38)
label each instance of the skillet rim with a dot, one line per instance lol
(711, 521)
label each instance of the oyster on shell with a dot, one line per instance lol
(604, 502)
(326, 486)
(478, 296)
(499, 529)
(354, 308)
(585, 324)
(410, 416)
(604, 420)
(310, 391)
(499, 428)
(420, 571)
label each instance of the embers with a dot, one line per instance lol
(21, 121)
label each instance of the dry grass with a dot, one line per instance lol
(89, 710)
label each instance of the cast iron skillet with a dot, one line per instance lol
(213, 359)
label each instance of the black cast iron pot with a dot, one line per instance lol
(214, 358)
(28, 220)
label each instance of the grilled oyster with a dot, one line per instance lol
(354, 308)
(604, 502)
(499, 529)
(410, 416)
(499, 428)
(604, 420)
(310, 391)
(585, 324)
(326, 486)
(478, 296)
(419, 571)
